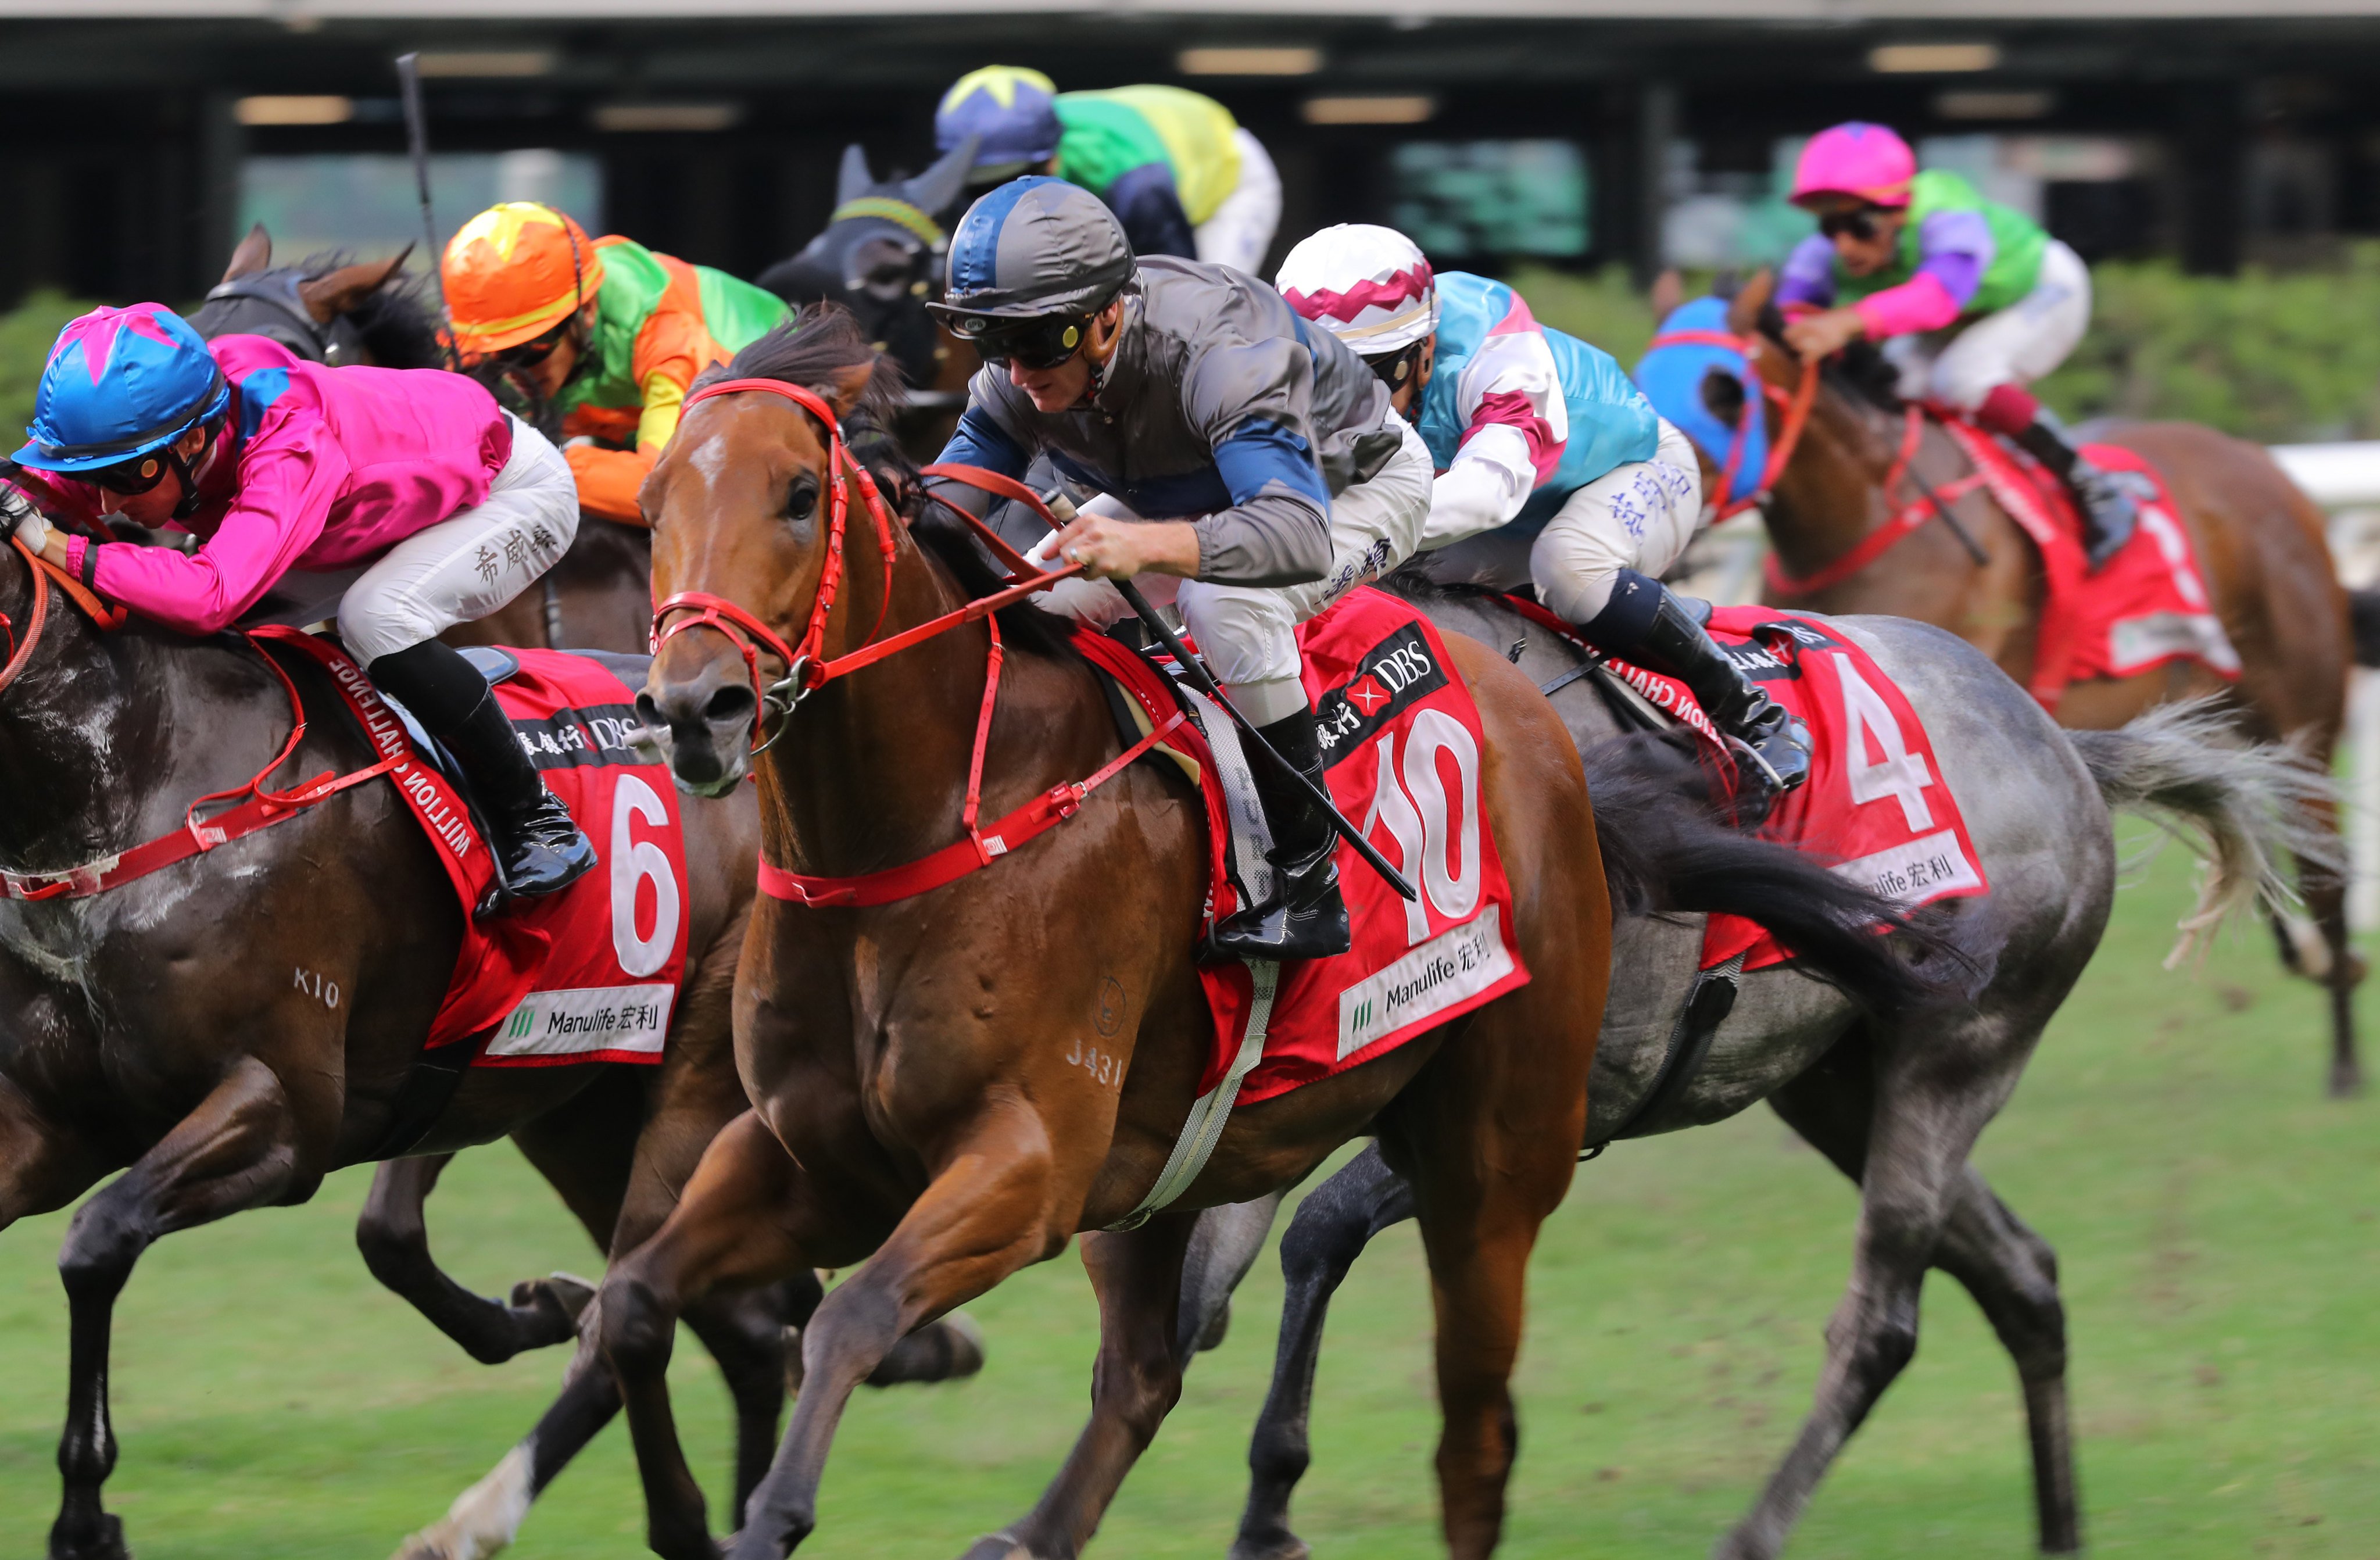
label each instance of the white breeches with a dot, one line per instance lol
(1247, 633)
(1639, 516)
(1242, 228)
(2016, 346)
(470, 563)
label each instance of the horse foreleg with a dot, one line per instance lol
(1222, 1250)
(394, 1240)
(238, 1149)
(728, 1232)
(982, 1218)
(1334, 1224)
(1134, 1384)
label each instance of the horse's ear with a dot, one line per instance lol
(1751, 301)
(849, 385)
(254, 254)
(335, 293)
(853, 179)
(1669, 291)
(933, 190)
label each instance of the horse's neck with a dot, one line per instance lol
(872, 770)
(74, 728)
(1831, 492)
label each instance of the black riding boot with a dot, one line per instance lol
(538, 848)
(2108, 512)
(1647, 623)
(1306, 917)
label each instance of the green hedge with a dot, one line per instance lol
(2276, 358)
(2272, 357)
(25, 332)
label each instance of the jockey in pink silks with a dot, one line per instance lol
(440, 505)
(1899, 253)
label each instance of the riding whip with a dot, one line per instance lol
(417, 136)
(1062, 507)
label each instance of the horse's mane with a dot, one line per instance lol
(815, 350)
(398, 322)
(1860, 371)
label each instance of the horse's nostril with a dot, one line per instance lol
(649, 711)
(730, 704)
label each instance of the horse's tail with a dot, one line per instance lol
(2244, 808)
(2364, 616)
(1664, 851)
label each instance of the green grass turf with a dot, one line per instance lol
(2219, 1225)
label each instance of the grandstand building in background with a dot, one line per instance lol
(140, 136)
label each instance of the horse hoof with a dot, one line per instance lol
(950, 1350)
(997, 1546)
(106, 1544)
(1284, 1545)
(548, 1309)
(1218, 1325)
(2346, 1081)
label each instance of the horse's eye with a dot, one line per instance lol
(801, 499)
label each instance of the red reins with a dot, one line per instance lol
(1789, 434)
(805, 672)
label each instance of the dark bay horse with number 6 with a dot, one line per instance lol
(2260, 545)
(915, 1106)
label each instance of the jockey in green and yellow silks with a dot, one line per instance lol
(1177, 170)
(608, 332)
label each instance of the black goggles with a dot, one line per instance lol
(131, 477)
(528, 354)
(1041, 343)
(1860, 224)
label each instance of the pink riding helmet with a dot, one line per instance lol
(1863, 160)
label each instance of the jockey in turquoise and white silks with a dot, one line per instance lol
(1532, 428)
(1248, 468)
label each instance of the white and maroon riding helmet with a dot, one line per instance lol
(1370, 286)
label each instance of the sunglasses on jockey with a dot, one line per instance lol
(1041, 343)
(1859, 221)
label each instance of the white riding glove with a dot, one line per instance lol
(24, 521)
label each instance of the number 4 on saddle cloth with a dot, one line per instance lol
(592, 973)
(1875, 806)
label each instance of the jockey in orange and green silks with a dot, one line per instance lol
(1900, 252)
(1174, 166)
(605, 332)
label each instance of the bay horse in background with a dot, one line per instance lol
(328, 310)
(2260, 543)
(882, 256)
(916, 1109)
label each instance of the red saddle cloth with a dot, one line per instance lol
(592, 973)
(1876, 806)
(2149, 606)
(1403, 745)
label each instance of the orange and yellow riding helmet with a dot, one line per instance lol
(515, 271)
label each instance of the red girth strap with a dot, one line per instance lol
(1882, 540)
(261, 810)
(1797, 416)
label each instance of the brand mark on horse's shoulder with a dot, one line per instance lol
(1112, 1002)
(320, 987)
(1105, 1066)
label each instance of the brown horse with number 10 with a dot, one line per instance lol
(918, 1106)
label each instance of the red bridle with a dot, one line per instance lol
(805, 672)
(1780, 450)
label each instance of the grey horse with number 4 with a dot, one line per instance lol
(1895, 1104)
